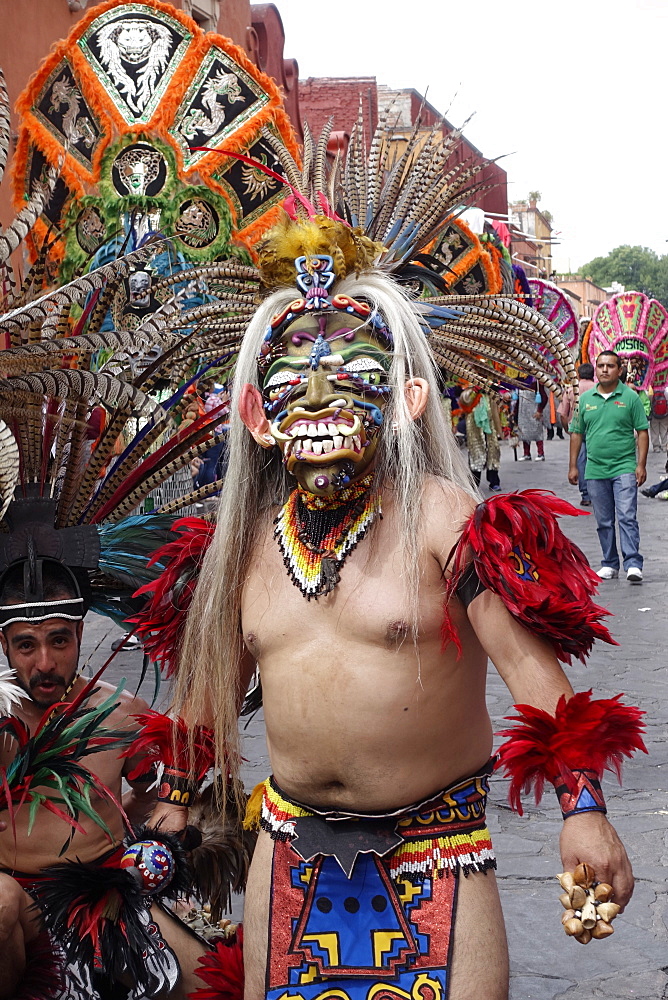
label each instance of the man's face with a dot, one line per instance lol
(44, 656)
(607, 371)
(326, 412)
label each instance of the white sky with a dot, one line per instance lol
(577, 91)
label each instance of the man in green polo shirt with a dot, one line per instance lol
(609, 417)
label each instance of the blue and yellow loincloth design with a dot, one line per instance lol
(359, 905)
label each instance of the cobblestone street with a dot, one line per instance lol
(545, 965)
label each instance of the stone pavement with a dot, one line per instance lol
(545, 965)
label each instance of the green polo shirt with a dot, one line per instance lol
(608, 427)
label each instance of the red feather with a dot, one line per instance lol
(161, 622)
(167, 741)
(582, 733)
(521, 554)
(222, 970)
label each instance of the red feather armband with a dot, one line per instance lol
(571, 749)
(182, 758)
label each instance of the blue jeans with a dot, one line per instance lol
(610, 497)
(582, 461)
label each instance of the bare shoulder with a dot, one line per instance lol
(446, 508)
(128, 704)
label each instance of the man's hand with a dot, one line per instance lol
(573, 475)
(641, 474)
(589, 837)
(171, 818)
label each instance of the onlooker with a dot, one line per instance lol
(483, 429)
(658, 422)
(551, 420)
(566, 412)
(530, 406)
(661, 487)
(609, 416)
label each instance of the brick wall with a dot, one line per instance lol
(339, 96)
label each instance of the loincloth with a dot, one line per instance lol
(75, 980)
(363, 905)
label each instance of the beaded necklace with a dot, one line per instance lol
(316, 534)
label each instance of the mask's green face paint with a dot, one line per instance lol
(325, 399)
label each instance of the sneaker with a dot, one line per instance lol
(648, 493)
(634, 574)
(663, 495)
(524, 458)
(585, 502)
(607, 573)
(495, 489)
(127, 642)
(540, 458)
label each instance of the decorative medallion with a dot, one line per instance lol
(62, 109)
(90, 230)
(221, 99)
(198, 223)
(139, 170)
(134, 51)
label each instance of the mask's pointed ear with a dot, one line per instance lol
(416, 391)
(252, 413)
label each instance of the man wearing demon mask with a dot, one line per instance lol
(353, 564)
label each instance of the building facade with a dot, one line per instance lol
(320, 97)
(584, 292)
(531, 235)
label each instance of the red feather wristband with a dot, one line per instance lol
(582, 735)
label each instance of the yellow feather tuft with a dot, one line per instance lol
(254, 807)
(350, 250)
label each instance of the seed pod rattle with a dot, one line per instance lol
(589, 911)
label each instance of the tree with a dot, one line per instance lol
(639, 269)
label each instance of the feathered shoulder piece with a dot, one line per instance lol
(519, 552)
(596, 733)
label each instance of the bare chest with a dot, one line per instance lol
(372, 605)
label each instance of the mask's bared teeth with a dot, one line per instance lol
(307, 445)
(338, 441)
(312, 430)
(327, 445)
(332, 428)
(357, 442)
(279, 435)
(317, 447)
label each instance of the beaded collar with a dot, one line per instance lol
(316, 534)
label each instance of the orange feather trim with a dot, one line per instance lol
(584, 351)
(494, 276)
